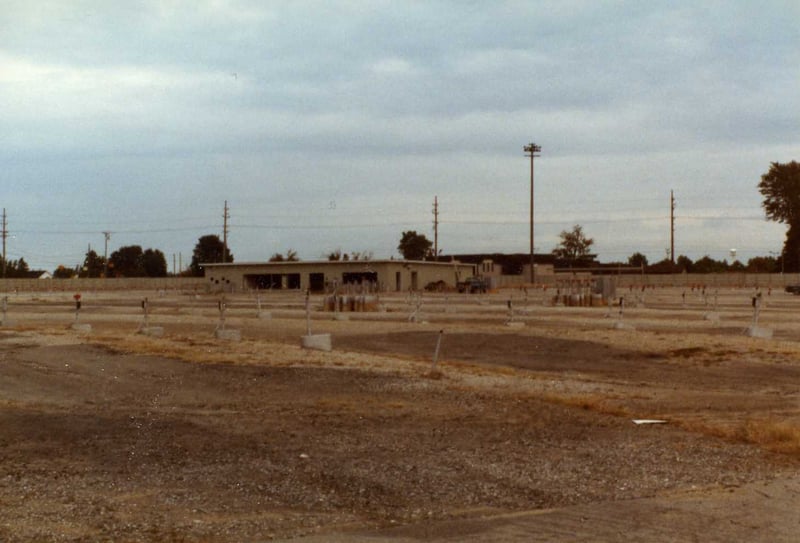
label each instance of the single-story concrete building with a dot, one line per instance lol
(317, 276)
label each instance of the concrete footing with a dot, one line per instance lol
(81, 327)
(757, 331)
(318, 342)
(515, 324)
(152, 331)
(712, 316)
(265, 315)
(228, 334)
(619, 325)
(341, 317)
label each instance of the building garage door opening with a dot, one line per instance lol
(264, 281)
(358, 278)
(273, 281)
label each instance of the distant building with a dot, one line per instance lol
(317, 276)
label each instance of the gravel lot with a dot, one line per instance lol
(115, 436)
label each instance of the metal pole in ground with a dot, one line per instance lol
(144, 308)
(756, 309)
(77, 306)
(221, 306)
(308, 313)
(436, 351)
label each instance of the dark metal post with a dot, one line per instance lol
(532, 151)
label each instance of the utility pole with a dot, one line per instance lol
(5, 235)
(225, 216)
(436, 228)
(532, 151)
(105, 255)
(672, 226)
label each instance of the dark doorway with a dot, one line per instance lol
(316, 282)
(293, 281)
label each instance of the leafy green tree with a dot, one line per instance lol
(338, 255)
(132, 261)
(15, 268)
(154, 264)
(763, 264)
(791, 249)
(126, 262)
(663, 266)
(21, 267)
(684, 263)
(62, 272)
(780, 187)
(709, 265)
(93, 265)
(291, 256)
(414, 246)
(209, 249)
(735, 266)
(638, 260)
(574, 244)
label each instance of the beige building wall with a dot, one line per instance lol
(190, 284)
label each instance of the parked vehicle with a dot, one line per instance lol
(793, 289)
(473, 285)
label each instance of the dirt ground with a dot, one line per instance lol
(520, 432)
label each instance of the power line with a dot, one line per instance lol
(406, 223)
(90, 232)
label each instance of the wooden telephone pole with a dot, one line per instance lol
(105, 254)
(672, 226)
(5, 235)
(225, 217)
(436, 228)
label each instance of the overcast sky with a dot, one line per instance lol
(332, 125)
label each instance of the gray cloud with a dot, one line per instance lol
(143, 117)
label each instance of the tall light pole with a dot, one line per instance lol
(532, 151)
(672, 226)
(5, 235)
(107, 235)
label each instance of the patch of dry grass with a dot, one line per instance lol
(590, 402)
(779, 436)
(775, 435)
